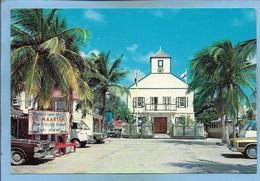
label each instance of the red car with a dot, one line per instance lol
(25, 149)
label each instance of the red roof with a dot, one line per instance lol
(58, 93)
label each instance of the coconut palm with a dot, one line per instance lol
(105, 77)
(220, 73)
(44, 55)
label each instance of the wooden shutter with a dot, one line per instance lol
(134, 102)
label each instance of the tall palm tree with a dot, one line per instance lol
(105, 76)
(45, 55)
(220, 73)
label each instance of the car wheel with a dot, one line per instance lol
(78, 145)
(251, 152)
(93, 141)
(17, 157)
(83, 144)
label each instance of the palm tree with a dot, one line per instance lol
(44, 55)
(220, 73)
(105, 77)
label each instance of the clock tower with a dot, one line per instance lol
(160, 63)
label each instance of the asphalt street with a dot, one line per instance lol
(146, 156)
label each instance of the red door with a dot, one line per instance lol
(160, 125)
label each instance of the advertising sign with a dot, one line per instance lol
(109, 117)
(48, 122)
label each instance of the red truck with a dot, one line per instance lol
(25, 149)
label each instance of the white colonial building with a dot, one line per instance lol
(160, 97)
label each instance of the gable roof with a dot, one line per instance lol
(160, 54)
(162, 81)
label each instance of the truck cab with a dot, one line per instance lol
(79, 133)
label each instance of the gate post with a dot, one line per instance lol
(195, 126)
(130, 133)
(153, 129)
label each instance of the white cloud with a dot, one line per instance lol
(84, 55)
(161, 12)
(145, 57)
(253, 60)
(175, 11)
(94, 15)
(132, 74)
(247, 16)
(158, 13)
(132, 48)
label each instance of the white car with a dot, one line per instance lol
(79, 134)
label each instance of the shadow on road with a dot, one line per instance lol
(235, 156)
(38, 161)
(206, 166)
(190, 142)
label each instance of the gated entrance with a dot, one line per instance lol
(160, 125)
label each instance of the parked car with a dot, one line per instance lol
(246, 143)
(113, 132)
(25, 149)
(79, 133)
(98, 137)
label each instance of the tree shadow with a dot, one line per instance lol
(206, 167)
(38, 161)
(235, 156)
(191, 142)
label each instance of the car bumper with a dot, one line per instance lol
(233, 149)
(45, 153)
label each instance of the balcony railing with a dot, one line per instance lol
(160, 107)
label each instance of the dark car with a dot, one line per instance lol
(25, 149)
(114, 132)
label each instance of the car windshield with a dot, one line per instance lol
(84, 125)
(249, 125)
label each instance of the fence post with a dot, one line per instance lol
(195, 131)
(130, 133)
(152, 130)
(172, 130)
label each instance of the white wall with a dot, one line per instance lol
(166, 65)
(162, 85)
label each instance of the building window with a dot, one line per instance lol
(160, 63)
(140, 102)
(154, 103)
(60, 104)
(182, 102)
(167, 102)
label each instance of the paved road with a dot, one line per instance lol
(146, 156)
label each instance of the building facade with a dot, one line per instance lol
(160, 97)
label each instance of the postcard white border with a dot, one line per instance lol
(6, 5)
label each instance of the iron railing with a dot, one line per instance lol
(174, 131)
(160, 107)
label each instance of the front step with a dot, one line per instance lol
(161, 136)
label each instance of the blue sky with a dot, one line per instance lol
(137, 33)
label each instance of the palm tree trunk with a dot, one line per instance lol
(103, 109)
(223, 125)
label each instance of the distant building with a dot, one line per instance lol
(160, 97)
(23, 103)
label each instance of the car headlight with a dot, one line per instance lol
(37, 148)
(51, 145)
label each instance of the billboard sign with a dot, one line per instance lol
(48, 122)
